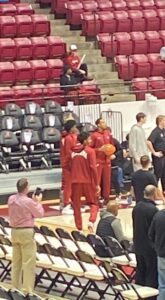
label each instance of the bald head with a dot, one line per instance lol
(150, 192)
(112, 207)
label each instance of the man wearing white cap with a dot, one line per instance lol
(75, 63)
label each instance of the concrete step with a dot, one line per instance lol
(35, 5)
(114, 82)
(91, 53)
(95, 60)
(59, 22)
(63, 31)
(105, 75)
(69, 39)
(84, 45)
(112, 89)
(99, 67)
(44, 11)
(119, 98)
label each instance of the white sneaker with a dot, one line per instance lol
(68, 210)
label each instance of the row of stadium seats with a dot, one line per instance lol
(119, 21)
(16, 9)
(131, 43)
(32, 48)
(139, 65)
(30, 71)
(143, 85)
(24, 26)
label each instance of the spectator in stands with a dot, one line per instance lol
(68, 141)
(78, 68)
(68, 81)
(110, 225)
(157, 236)
(100, 138)
(22, 211)
(137, 141)
(156, 144)
(143, 214)
(143, 177)
(84, 179)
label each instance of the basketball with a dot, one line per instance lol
(109, 149)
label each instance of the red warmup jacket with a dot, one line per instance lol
(100, 138)
(68, 141)
(72, 61)
(83, 165)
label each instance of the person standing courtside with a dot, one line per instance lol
(156, 144)
(137, 141)
(22, 211)
(143, 213)
(101, 137)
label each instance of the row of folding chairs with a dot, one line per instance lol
(14, 294)
(24, 48)
(12, 9)
(131, 43)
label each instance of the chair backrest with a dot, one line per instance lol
(11, 123)
(63, 234)
(78, 236)
(51, 120)
(12, 109)
(33, 108)
(29, 137)
(52, 106)
(8, 138)
(98, 245)
(69, 115)
(51, 135)
(114, 246)
(88, 127)
(32, 121)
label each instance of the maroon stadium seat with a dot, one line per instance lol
(139, 42)
(107, 22)
(23, 72)
(24, 9)
(6, 94)
(55, 67)
(24, 26)
(154, 41)
(148, 4)
(90, 24)
(58, 6)
(124, 43)
(125, 67)
(57, 47)
(123, 21)
(119, 5)
(41, 25)
(7, 50)
(141, 85)
(104, 5)
(158, 83)
(8, 10)
(162, 36)
(24, 48)
(133, 4)
(22, 93)
(157, 65)
(90, 5)
(8, 27)
(38, 93)
(141, 65)
(74, 9)
(40, 47)
(137, 21)
(159, 4)
(161, 15)
(53, 90)
(107, 45)
(7, 73)
(152, 19)
(39, 70)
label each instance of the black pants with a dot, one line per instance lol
(159, 169)
(81, 77)
(146, 272)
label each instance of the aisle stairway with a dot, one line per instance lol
(97, 65)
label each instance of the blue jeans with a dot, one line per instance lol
(161, 278)
(120, 177)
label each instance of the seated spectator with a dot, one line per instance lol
(109, 224)
(78, 68)
(68, 81)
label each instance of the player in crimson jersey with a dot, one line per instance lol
(68, 141)
(84, 179)
(101, 137)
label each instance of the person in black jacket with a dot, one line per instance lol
(157, 236)
(143, 213)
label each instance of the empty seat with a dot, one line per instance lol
(24, 9)
(124, 43)
(123, 21)
(137, 20)
(104, 5)
(6, 94)
(55, 67)
(57, 46)
(32, 108)
(141, 65)
(133, 4)
(8, 10)
(159, 4)
(161, 15)
(24, 48)
(90, 5)
(119, 5)
(139, 43)
(157, 65)
(8, 27)
(152, 20)
(39, 70)
(38, 93)
(90, 24)
(40, 47)
(22, 71)
(107, 22)
(159, 84)
(53, 90)
(107, 44)
(125, 67)
(24, 26)
(162, 36)
(147, 4)
(140, 86)
(154, 41)
(22, 93)
(12, 109)
(74, 9)
(7, 73)
(41, 25)
(7, 50)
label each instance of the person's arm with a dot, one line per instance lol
(93, 168)
(151, 148)
(36, 207)
(133, 136)
(151, 232)
(116, 225)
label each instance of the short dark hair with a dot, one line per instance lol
(22, 185)
(83, 136)
(144, 160)
(140, 116)
(69, 125)
(98, 121)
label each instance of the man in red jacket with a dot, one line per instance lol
(68, 141)
(101, 137)
(84, 179)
